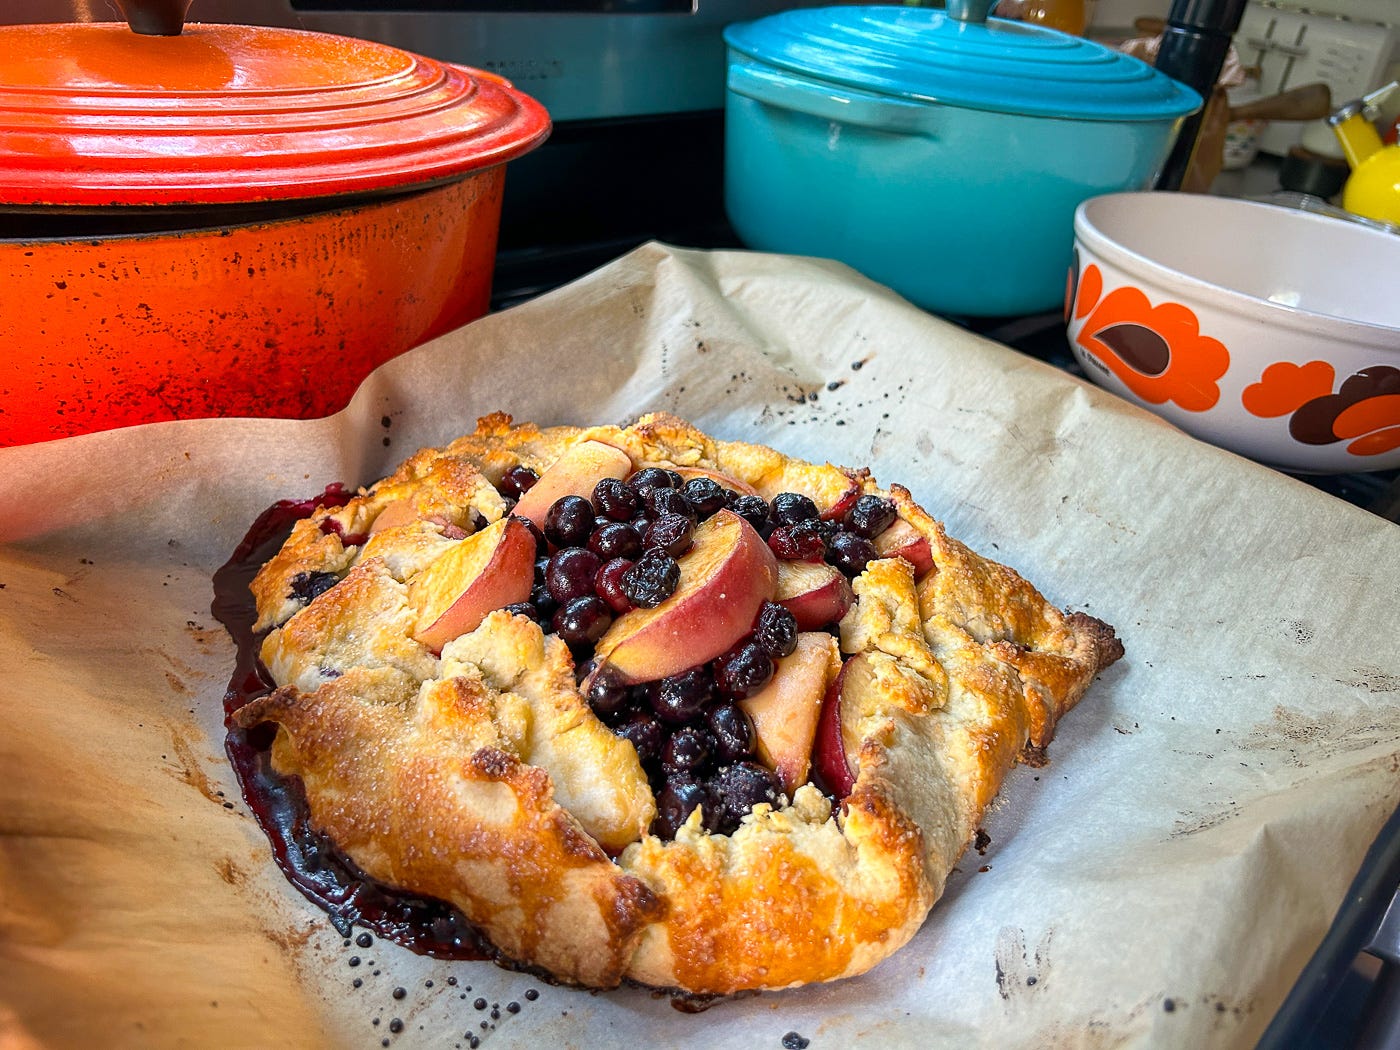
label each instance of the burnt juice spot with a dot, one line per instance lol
(1140, 348)
(312, 864)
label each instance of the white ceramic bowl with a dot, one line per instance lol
(1268, 331)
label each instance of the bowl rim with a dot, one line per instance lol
(1230, 299)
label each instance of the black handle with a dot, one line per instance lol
(1382, 1031)
(1193, 50)
(155, 17)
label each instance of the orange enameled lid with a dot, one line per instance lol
(96, 114)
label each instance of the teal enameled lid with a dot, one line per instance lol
(927, 54)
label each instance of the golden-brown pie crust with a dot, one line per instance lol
(480, 775)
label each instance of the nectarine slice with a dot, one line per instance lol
(837, 743)
(725, 577)
(842, 504)
(815, 593)
(576, 472)
(395, 513)
(902, 540)
(784, 713)
(488, 570)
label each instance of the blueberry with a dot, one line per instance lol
(801, 541)
(775, 630)
(608, 584)
(616, 499)
(646, 735)
(704, 494)
(871, 515)
(615, 540)
(743, 671)
(307, 586)
(677, 799)
(570, 573)
(850, 553)
(648, 478)
(652, 579)
(582, 621)
(661, 502)
(791, 507)
(753, 509)
(681, 698)
(687, 749)
(543, 601)
(523, 609)
(569, 521)
(737, 788)
(541, 545)
(671, 533)
(732, 732)
(607, 696)
(517, 481)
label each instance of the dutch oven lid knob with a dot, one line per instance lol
(155, 17)
(974, 11)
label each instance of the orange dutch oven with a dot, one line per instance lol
(214, 220)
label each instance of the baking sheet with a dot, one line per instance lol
(1161, 882)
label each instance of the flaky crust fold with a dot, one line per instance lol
(479, 775)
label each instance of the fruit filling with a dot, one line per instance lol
(727, 732)
(702, 618)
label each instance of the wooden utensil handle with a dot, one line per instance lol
(1307, 102)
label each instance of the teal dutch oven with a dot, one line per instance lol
(938, 152)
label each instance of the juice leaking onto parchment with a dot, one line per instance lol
(311, 863)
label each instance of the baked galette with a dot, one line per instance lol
(647, 705)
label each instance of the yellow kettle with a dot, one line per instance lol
(1373, 188)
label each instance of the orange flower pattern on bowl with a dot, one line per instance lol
(1364, 411)
(1158, 352)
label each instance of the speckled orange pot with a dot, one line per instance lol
(191, 233)
(280, 318)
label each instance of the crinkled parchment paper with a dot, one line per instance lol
(1161, 882)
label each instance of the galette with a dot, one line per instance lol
(646, 705)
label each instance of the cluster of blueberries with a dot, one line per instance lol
(619, 550)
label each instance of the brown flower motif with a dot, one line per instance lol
(1157, 351)
(1364, 412)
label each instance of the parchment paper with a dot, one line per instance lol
(1161, 882)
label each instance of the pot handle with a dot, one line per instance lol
(830, 102)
